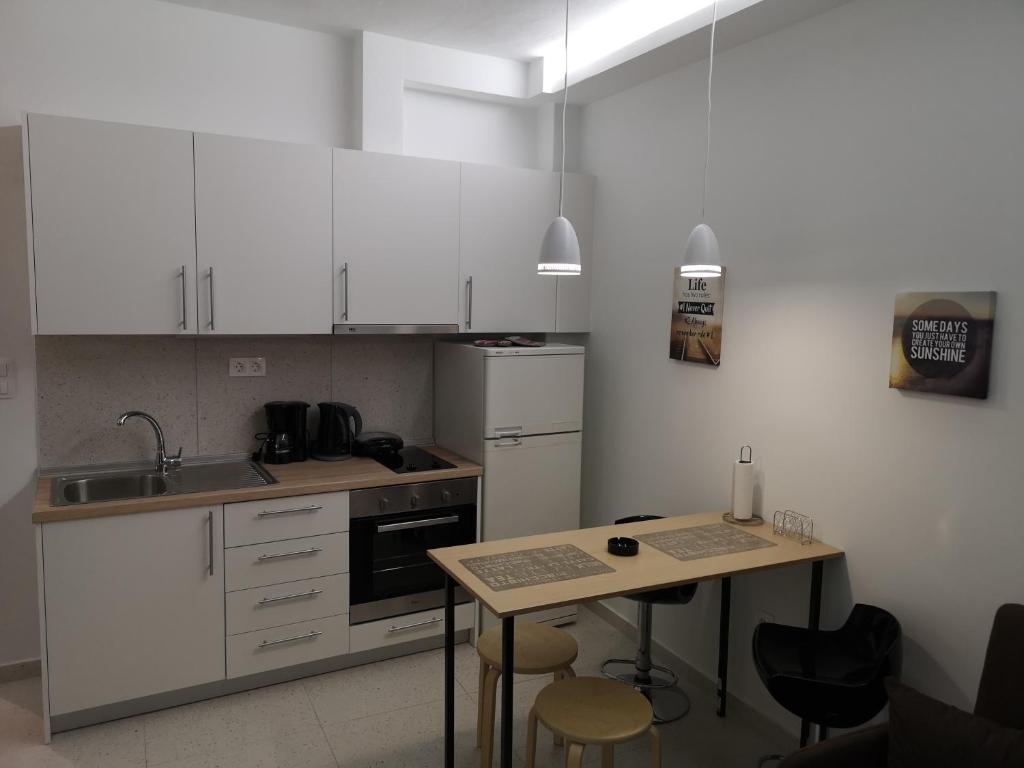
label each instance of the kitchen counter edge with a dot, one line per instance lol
(298, 479)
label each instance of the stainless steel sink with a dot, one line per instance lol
(111, 485)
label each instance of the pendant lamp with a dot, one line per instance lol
(560, 249)
(702, 258)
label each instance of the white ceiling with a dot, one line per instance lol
(515, 29)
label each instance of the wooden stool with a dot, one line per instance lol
(592, 710)
(539, 650)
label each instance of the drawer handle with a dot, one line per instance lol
(296, 553)
(296, 596)
(294, 510)
(388, 527)
(435, 620)
(307, 636)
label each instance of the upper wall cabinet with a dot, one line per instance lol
(263, 236)
(572, 313)
(505, 212)
(396, 240)
(113, 227)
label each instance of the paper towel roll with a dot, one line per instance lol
(743, 490)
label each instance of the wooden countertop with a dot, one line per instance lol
(650, 569)
(292, 480)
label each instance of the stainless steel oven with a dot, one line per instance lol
(390, 532)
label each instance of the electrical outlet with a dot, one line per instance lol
(247, 366)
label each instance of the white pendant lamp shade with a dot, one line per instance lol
(701, 258)
(560, 250)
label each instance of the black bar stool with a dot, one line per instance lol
(668, 700)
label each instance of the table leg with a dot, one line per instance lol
(449, 672)
(813, 622)
(723, 644)
(508, 631)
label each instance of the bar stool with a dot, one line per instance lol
(592, 710)
(669, 701)
(539, 650)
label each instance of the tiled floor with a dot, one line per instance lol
(386, 714)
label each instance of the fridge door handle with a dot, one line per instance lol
(508, 442)
(508, 432)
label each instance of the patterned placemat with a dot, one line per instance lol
(700, 541)
(530, 567)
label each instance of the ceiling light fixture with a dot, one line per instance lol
(560, 249)
(702, 258)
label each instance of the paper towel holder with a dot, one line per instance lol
(750, 454)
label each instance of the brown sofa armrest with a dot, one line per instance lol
(861, 749)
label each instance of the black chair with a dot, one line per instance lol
(667, 699)
(834, 679)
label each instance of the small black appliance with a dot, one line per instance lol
(340, 423)
(286, 439)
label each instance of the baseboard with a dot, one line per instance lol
(19, 670)
(689, 674)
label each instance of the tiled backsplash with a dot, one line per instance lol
(86, 381)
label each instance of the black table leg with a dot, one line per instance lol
(723, 643)
(813, 622)
(508, 632)
(449, 672)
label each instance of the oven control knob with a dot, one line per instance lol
(414, 501)
(383, 503)
(446, 496)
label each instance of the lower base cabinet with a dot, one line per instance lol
(134, 605)
(403, 629)
(287, 646)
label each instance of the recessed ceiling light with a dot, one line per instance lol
(622, 24)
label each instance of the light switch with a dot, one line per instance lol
(7, 377)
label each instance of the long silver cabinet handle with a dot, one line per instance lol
(469, 302)
(292, 511)
(213, 322)
(388, 527)
(209, 524)
(296, 596)
(184, 300)
(296, 553)
(344, 273)
(399, 628)
(307, 636)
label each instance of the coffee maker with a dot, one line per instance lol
(339, 425)
(286, 440)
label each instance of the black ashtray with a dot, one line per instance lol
(623, 546)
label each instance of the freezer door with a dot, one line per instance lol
(533, 395)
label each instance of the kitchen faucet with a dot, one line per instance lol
(163, 461)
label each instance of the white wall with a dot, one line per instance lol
(869, 150)
(158, 63)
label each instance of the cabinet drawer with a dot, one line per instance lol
(262, 607)
(250, 522)
(260, 565)
(402, 629)
(286, 646)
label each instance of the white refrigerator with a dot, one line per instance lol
(518, 411)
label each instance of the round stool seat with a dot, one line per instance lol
(593, 710)
(538, 648)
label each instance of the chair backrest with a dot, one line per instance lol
(879, 637)
(636, 519)
(1001, 691)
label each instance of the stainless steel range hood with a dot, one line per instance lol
(345, 329)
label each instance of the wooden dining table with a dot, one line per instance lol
(512, 577)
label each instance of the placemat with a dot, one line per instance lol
(530, 567)
(700, 541)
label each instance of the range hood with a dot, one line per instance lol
(346, 329)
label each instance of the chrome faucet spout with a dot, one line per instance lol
(163, 462)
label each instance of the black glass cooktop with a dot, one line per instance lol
(411, 459)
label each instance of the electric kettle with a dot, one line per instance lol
(339, 425)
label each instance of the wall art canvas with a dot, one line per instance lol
(697, 319)
(942, 342)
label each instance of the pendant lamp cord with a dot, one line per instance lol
(707, 148)
(565, 101)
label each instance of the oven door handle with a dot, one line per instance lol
(389, 527)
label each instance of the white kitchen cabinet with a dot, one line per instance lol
(396, 240)
(113, 227)
(505, 212)
(263, 236)
(134, 605)
(572, 313)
